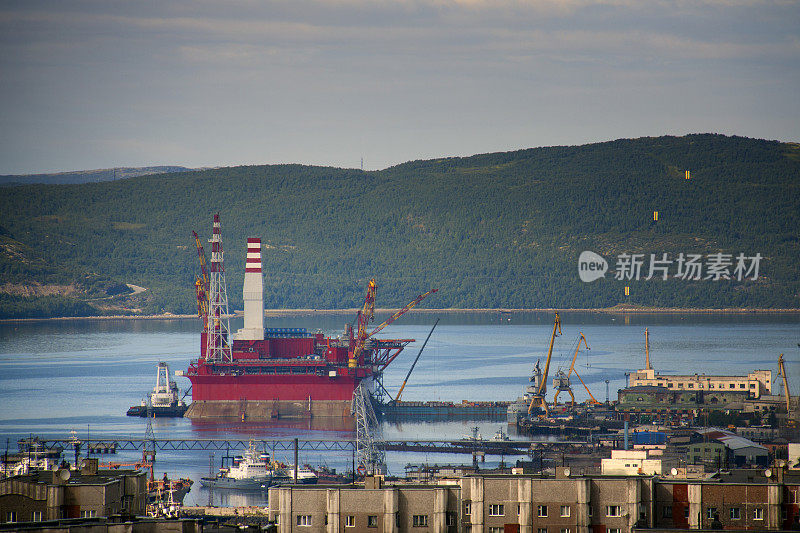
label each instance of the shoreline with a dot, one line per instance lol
(272, 313)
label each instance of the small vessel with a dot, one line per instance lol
(253, 471)
(305, 475)
(164, 400)
(474, 436)
(500, 435)
(164, 489)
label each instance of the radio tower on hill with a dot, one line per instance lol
(218, 348)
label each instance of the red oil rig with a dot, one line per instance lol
(259, 373)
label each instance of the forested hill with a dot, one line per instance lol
(491, 230)
(86, 176)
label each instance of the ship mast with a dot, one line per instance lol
(218, 348)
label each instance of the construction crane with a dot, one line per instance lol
(403, 386)
(561, 381)
(782, 373)
(365, 316)
(369, 306)
(538, 397)
(201, 283)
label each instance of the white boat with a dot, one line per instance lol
(253, 471)
(500, 435)
(305, 475)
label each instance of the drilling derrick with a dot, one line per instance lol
(218, 348)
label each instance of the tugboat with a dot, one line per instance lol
(164, 400)
(251, 472)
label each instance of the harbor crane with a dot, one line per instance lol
(782, 373)
(538, 398)
(561, 381)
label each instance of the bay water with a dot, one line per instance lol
(63, 375)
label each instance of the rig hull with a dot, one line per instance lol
(289, 374)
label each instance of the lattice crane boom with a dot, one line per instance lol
(365, 316)
(402, 311)
(201, 283)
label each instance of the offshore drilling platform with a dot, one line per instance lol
(260, 373)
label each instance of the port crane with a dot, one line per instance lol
(538, 397)
(201, 283)
(782, 373)
(561, 381)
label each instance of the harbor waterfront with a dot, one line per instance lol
(82, 376)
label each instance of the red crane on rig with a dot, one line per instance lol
(367, 313)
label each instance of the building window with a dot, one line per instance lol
(467, 508)
(732, 386)
(304, 520)
(11, 516)
(519, 509)
(350, 521)
(372, 521)
(590, 510)
(495, 530)
(613, 510)
(419, 520)
(564, 530)
(496, 510)
(541, 511)
(541, 530)
(758, 513)
(450, 519)
(36, 516)
(565, 511)
(686, 511)
(710, 512)
(666, 512)
(614, 530)
(735, 513)
(88, 513)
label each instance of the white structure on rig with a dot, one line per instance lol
(253, 293)
(756, 383)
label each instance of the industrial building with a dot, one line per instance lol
(755, 384)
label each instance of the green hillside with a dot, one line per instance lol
(491, 230)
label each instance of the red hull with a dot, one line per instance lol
(272, 387)
(290, 368)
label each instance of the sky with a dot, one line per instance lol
(97, 84)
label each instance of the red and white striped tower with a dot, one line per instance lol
(218, 347)
(253, 292)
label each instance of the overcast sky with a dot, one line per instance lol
(97, 84)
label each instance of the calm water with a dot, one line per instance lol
(83, 375)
